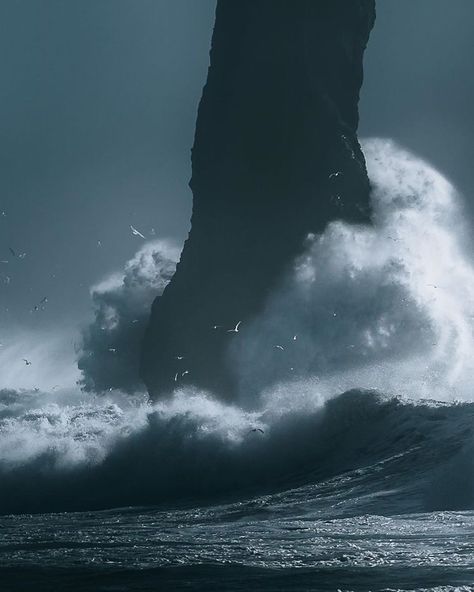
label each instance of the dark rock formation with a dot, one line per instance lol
(278, 117)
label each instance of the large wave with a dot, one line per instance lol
(386, 308)
(358, 452)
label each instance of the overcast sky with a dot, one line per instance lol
(98, 103)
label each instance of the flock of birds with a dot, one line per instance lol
(41, 304)
(235, 329)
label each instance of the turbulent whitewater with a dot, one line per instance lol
(348, 453)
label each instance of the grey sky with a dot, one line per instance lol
(97, 109)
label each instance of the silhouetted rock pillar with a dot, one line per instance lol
(275, 157)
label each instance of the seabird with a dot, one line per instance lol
(295, 337)
(184, 373)
(179, 358)
(236, 329)
(334, 175)
(280, 347)
(112, 349)
(256, 430)
(136, 232)
(14, 253)
(176, 377)
(27, 362)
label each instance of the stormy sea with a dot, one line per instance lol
(357, 477)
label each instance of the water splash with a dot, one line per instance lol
(389, 307)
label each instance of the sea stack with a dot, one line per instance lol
(275, 157)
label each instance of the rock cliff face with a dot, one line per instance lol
(275, 157)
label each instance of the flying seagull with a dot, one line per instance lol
(27, 362)
(256, 430)
(14, 253)
(334, 175)
(136, 232)
(236, 329)
(295, 337)
(37, 307)
(280, 347)
(179, 358)
(185, 372)
(176, 377)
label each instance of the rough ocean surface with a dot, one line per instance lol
(275, 157)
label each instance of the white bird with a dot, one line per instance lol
(236, 329)
(27, 362)
(215, 327)
(334, 175)
(112, 349)
(295, 337)
(176, 377)
(15, 254)
(136, 232)
(280, 347)
(179, 358)
(185, 372)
